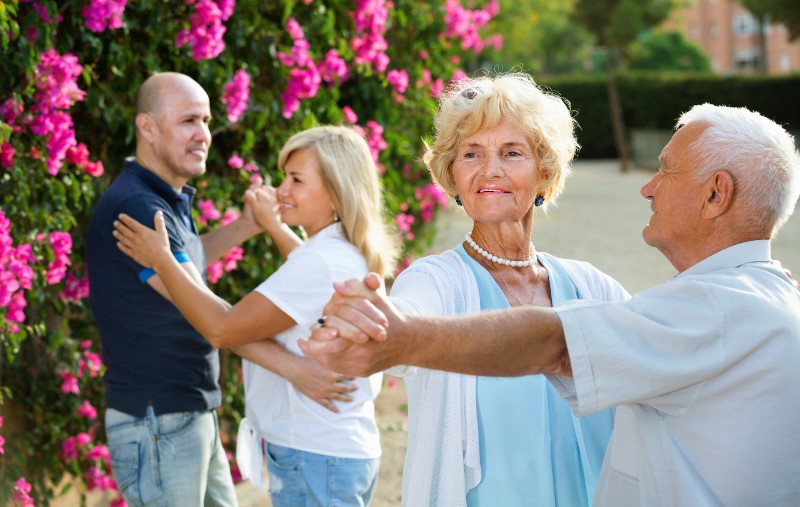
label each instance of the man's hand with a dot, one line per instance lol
(261, 203)
(354, 336)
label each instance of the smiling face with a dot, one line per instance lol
(675, 199)
(177, 131)
(302, 196)
(495, 174)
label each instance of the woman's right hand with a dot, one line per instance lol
(319, 383)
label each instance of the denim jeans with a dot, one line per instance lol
(170, 460)
(305, 479)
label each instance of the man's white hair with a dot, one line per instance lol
(760, 155)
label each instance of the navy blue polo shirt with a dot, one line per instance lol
(152, 355)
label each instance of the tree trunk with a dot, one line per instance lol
(763, 64)
(615, 108)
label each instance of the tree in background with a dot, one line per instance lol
(616, 24)
(773, 11)
(69, 72)
(667, 51)
(540, 37)
(778, 11)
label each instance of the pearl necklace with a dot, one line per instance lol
(499, 260)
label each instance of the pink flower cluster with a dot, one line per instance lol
(398, 79)
(404, 222)
(78, 447)
(333, 68)
(306, 76)
(236, 95)
(205, 31)
(16, 276)
(101, 14)
(464, 24)
(62, 247)
(369, 45)
(228, 263)
(429, 196)
(208, 212)
(22, 491)
(9, 111)
(75, 288)
(56, 91)
(89, 363)
(374, 136)
(79, 155)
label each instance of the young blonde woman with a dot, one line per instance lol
(316, 428)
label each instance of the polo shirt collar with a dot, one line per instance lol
(732, 257)
(159, 186)
(332, 230)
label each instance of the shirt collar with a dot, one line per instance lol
(159, 186)
(332, 230)
(732, 257)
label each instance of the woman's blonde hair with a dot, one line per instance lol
(351, 178)
(475, 104)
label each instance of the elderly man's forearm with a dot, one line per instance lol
(523, 341)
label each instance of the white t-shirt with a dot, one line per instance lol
(705, 374)
(280, 413)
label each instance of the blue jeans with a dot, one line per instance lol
(305, 479)
(170, 460)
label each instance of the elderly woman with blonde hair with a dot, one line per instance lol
(316, 428)
(502, 150)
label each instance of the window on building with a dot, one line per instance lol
(713, 30)
(746, 59)
(783, 62)
(744, 25)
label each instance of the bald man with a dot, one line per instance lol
(161, 375)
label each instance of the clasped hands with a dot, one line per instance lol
(355, 336)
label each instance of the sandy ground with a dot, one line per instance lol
(599, 219)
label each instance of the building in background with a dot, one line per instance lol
(730, 35)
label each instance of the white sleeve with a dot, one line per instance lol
(655, 349)
(301, 287)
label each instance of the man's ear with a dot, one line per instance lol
(146, 126)
(718, 195)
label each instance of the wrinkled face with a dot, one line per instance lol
(495, 174)
(182, 137)
(302, 196)
(675, 198)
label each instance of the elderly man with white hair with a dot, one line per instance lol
(704, 370)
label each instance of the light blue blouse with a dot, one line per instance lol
(533, 450)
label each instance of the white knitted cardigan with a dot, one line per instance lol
(443, 455)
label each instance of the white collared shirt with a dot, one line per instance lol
(705, 373)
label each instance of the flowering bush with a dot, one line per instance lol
(69, 73)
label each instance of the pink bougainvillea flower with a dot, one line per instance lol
(236, 95)
(333, 68)
(7, 153)
(69, 383)
(101, 14)
(235, 161)
(87, 410)
(349, 115)
(21, 496)
(205, 32)
(214, 271)
(398, 79)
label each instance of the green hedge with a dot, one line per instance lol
(656, 101)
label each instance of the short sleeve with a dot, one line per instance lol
(655, 349)
(301, 287)
(143, 210)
